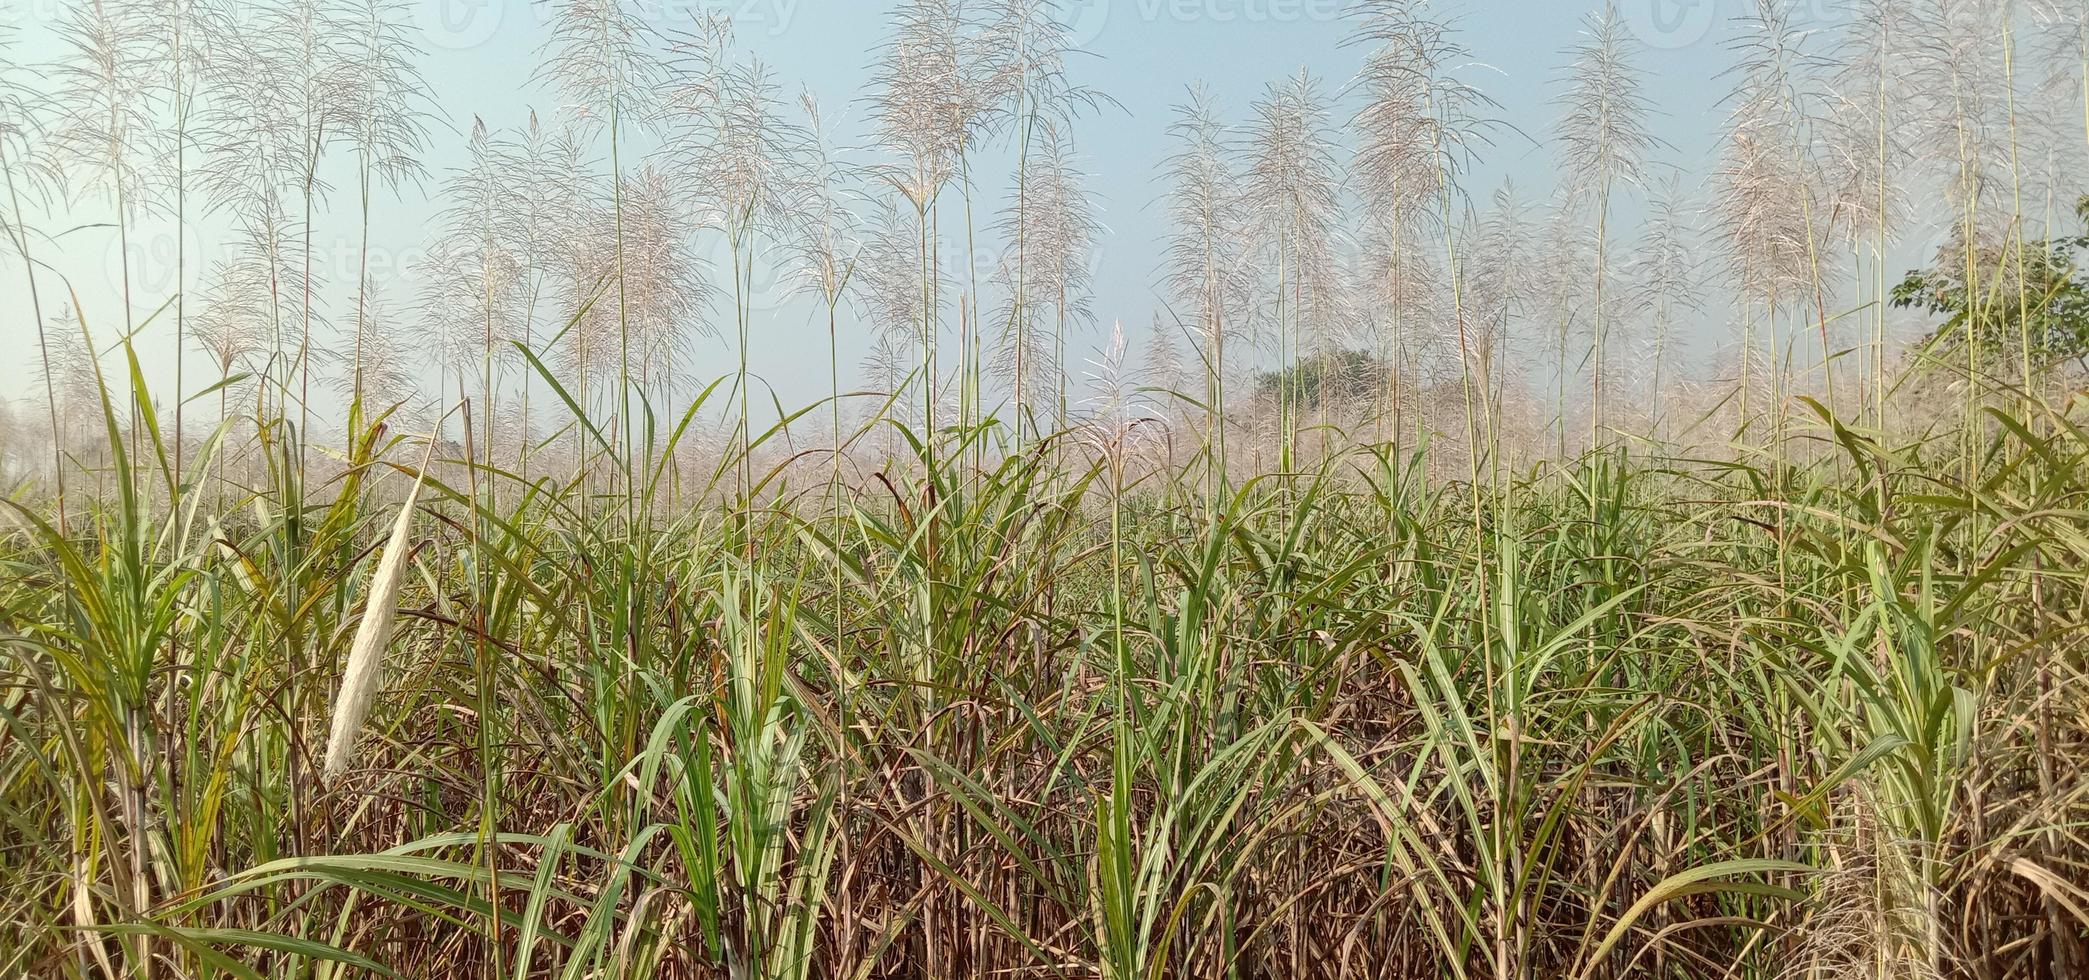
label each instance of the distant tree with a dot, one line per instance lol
(2029, 304)
(1328, 379)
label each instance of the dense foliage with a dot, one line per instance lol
(1064, 715)
(2008, 300)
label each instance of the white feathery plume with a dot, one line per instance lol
(1162, 365)
(1114, 413)
(1419, 128)
(887, 369)
(598, 57)
(1293, 181)
(365, 668)
(1604, 140)
(1503, 251)
(1864, 140)
(250, 134)
(1499, 288)
(1204, 271)
(665, 294)
(1022, 47)
(827, 244)
(1603, 135)
(383, 114)
(934, 97)
(1057, 227)
(1420, 125)
(2062, 28)
(546, 213)
(547, 168)
(232, 324)
(829, 234)
(1962, 99)
(2055, 134)
(935, 81)
(1762, 207)
(384, 118)
(472, 281)
(192, 35)
(305, 39)
(1294, 187)
(1664, 279)
(105, 129)
(739, 159)
(262, 135)
(1771, 205)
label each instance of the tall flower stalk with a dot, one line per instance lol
(935, 95)
(32, 177)
(1205, 265)
(385, 126)
(1664, 280)
(105, 131)
(1770, 197)
(1056, 231)
(599, 57)
(548, 206)
(192, 37)
(472, 283)
(1605, 140)
(1293, 184)
(743, 164)
(1419, 127)
(1868, 155)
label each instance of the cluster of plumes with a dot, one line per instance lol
(952, 79)
(1275, 244)
(1829, 141)
(1053, 237)
(1413, 134)
(1769, 205)
(1294, 233)
(191, 110)
(1119, 419)
(1293, 185)
(1829, 137)
(1206, 273)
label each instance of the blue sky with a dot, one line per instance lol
(1144, 53)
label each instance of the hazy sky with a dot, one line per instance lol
(481, 56)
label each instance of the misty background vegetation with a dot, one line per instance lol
(709, 523)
